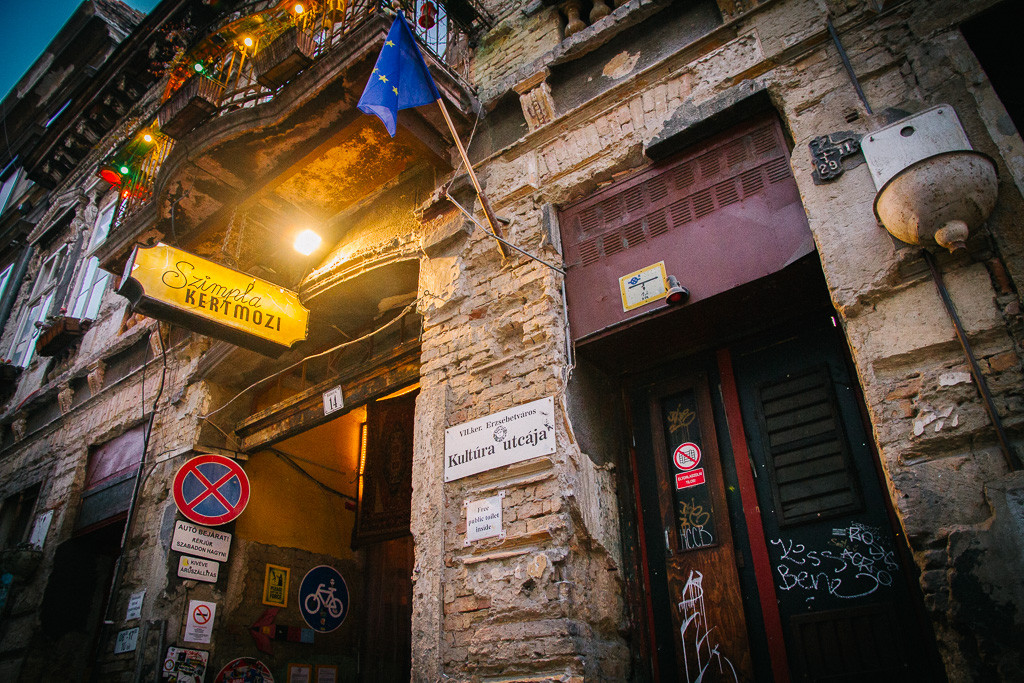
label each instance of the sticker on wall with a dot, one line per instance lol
(185, 665)
(244, 670)
(685, 480)
(211, 489)
(323, 598)
(687, 456)
(199, 621)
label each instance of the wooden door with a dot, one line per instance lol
(844, 598)
(703, 587)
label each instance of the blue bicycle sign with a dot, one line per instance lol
(323, 598)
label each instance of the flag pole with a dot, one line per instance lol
(488, 212)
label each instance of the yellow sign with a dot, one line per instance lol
(174, 285)
(275, 586)
(643, 286)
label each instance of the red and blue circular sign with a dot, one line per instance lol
(211, 490)
(323, 598)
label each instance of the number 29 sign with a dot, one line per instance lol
(323, 598)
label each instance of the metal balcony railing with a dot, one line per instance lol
(251, 54)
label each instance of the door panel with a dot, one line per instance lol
(704, 597)
(843, 595)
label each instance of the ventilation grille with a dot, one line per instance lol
(806, 449)
(668, 198)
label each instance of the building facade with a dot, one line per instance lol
(742, 400)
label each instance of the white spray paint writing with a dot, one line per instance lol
(856, 565)
(695, 625)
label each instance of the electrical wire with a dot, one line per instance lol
(296, 466)
(299, 362)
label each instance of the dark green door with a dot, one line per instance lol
(845, 601)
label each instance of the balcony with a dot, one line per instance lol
(259, 132)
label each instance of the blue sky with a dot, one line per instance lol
(26, 28)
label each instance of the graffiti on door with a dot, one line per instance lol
(699, 651)
(857, 562)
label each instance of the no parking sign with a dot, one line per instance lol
(211, 490)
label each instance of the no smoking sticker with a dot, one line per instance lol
(687, 456)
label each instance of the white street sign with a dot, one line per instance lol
(503, 438)
(200, 540)
(198, 569)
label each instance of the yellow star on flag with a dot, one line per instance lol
(390, 43)
(383, 78)
(395, 89)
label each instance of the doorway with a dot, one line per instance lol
(337, 494)
(772, 552)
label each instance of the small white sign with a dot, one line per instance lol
(483, 519)
(643, 286)
(510, 436)
(135, 606)
(333, 400)
(126, 640)
(200, 540)
(40, 529)
(199, 623)
(198, 569)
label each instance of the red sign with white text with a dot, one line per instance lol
(685, 480)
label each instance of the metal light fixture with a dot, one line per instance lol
(306, 242)
(677, 295)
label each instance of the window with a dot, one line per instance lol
(7, 189)
(15, 515)
(93, 282)
(39, 305)
(5, 277)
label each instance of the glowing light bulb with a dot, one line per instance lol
(147, 137)
(198, 67)
(124, 170)
(306, 242)
(248, 41)
(299, 9)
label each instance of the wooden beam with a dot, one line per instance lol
(305, 410)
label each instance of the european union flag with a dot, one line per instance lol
(400, 78)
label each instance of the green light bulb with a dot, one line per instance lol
(125, 170)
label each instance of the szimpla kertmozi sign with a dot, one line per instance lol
(173, 285)
(511, 436)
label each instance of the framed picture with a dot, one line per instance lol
(326, 673)
(300, 673)
(275, 586)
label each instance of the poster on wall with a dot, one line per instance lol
(199, 621)
(300, 673)
(499, 439)
(326, 673)
(185, 665)
(275, 586)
